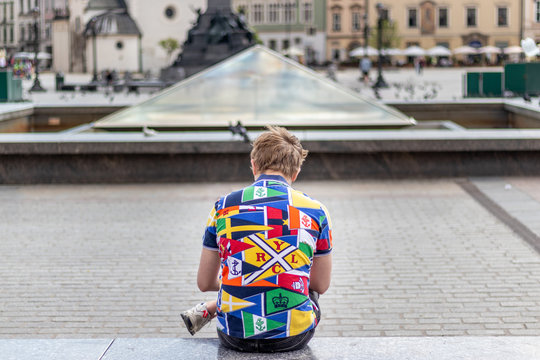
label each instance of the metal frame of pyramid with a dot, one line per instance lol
(257, 87)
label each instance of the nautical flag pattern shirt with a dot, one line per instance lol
(267, 235)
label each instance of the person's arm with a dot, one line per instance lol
(207, 276)
(321, 272)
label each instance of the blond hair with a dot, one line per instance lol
(278, 150)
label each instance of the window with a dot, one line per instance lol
(412, 20)
(537, 17)
(170, 12)
(272, 44)
(285, 44)
(22, 33)
(308, 13)
(355, 21)
(297, 41)
(385, 14)
(289, 12)
(502, 16)
(11, 37)
(336, 21)
(443, 17)
(258, 12)
(273, 13)
(471, 17)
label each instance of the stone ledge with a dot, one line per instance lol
(387, 348)
(69, 143)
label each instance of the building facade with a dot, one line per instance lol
(288, 24)
(532, 20)
(428, 23)
(157, 20)
(18, 21)
(8, 26)
(346, 21)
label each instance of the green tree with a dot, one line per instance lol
(390, 35)
(169, 45)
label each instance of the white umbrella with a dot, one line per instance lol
(465, 50)
(392, 52)
(23, 55)
(293, 51)
(414, 51)
(529, 47)
(29, 55)
(439, 51)
(43, 55)
(513, 50)
(490, 50)
(359, 51)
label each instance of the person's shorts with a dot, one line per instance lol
(291, 343)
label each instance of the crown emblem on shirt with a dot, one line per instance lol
(280, 301)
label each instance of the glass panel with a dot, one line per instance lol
(257, 87)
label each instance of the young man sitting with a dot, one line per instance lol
(267, 251)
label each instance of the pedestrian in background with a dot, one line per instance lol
(365, 67)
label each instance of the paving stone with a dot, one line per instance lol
(64, 349)
(104, 260)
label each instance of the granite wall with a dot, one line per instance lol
(156, 161)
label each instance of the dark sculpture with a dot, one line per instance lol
(217, 34)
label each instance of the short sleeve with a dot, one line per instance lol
(324, 242)
(210, 238)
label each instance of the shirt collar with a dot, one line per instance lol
(279, 178)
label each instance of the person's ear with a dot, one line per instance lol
(254, 168)
(293, 179)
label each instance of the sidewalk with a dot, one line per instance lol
(457, 348)
(412, 258)
(446, 82)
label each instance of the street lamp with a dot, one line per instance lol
(366, 27)
(36, 86)
(380, 80)
(94, 49)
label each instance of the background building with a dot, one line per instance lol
(156, 20)
(8, 26)
(345, 27)
(532, 20)
(429, 23)
(288, 24)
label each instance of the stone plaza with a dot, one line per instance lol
(423, 268)
(412, 258)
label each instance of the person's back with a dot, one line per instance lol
(268, 235)
(271, 242)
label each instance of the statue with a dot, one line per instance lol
(217, 34)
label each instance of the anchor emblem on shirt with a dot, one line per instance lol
(260, 324)
(260, 192)
(234, 270)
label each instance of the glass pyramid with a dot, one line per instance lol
(257, 87)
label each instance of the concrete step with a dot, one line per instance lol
(374, 348)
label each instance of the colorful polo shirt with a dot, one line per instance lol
(267, 235)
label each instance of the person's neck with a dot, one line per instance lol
(273, 172)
